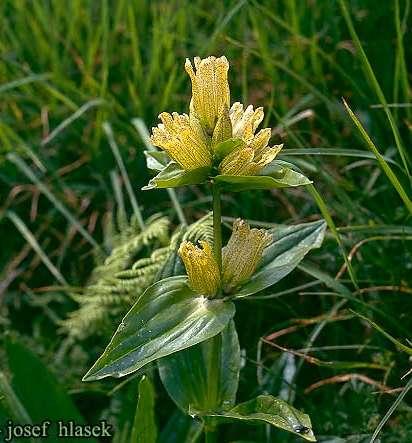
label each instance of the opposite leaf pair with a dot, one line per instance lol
(171, 316)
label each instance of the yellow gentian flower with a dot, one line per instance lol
(184, 140)
(192, 140)
(240, 258)
(255, 154)
(242, 254)
(210, 91)
(201, 267)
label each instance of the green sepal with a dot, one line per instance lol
(173, 175)
(168, 317)
(156, 160)
(278, 174)
(222, 149)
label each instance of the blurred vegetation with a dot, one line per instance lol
(68, 67)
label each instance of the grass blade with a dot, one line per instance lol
(375, 84)
(144, 134)
(382, 163)
(331, 224)
(23, 81)
(398, 344)
(115, 149)
(391, 410)
(12, 403)
(71, 119)
(26, 233)
(339, 152)
(21, 164)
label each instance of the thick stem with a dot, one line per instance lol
(217, 225)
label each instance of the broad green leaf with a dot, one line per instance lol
(181, 428)
(144, 427)
(38, 391)
(222, 149)
(204, 377)
(276, 175)
(274, 411)
(168, 317)
(173, 176)
(289, 246)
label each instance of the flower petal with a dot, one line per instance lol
(242, 254)
(210, 89)
(183, 139)
(245, 122)
(201, 267)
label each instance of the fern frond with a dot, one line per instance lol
(200, 230)
(116, 283)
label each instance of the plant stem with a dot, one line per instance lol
(210, 433)
(217, 225)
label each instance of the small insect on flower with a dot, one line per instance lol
(242, 254)
(184, 140)
(201, 267)
(255, 154)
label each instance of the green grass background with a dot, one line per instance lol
(67, 67)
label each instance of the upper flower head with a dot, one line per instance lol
(210, 90)
(255, 154)
(242, 254)
(201, 267)
(182, 137)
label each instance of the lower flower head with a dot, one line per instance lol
(201, 267)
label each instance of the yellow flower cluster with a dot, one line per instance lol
(241, 256)
(191, 140)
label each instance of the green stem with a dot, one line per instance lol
(210, 433)
(217, 225)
